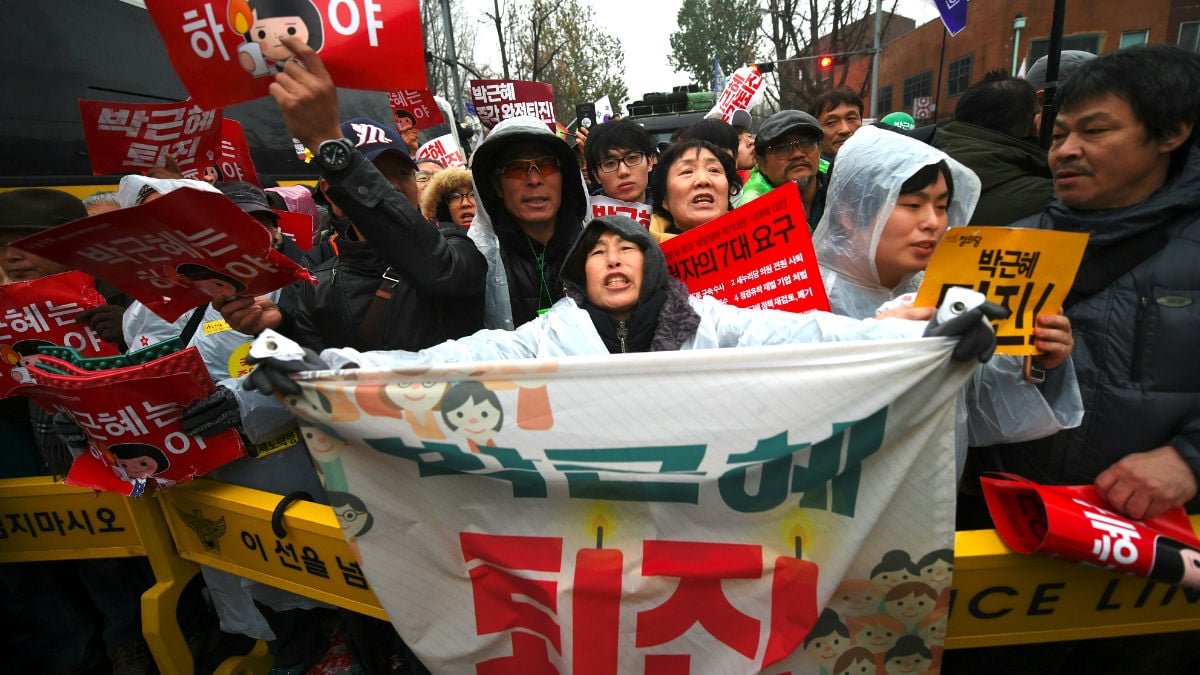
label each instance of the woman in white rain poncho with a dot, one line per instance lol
(872, 251)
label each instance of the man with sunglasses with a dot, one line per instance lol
(531, 204)
(620, 155)
(788, 149)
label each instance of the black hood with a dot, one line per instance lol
(654, 269)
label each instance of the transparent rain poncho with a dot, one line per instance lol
(863, 190)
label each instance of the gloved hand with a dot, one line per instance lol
(106, 321)
(212, 414)
(272, 373)
(69, 433)
(976, 338)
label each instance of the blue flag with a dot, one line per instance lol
(954, 14)
(718, 78)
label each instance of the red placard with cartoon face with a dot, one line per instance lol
(43, 311)
(498, 100)
(1074, 522)
(414, 108)
(228, 51)
(173, 253)
(131, 418)
(132, 137)
(757, 256)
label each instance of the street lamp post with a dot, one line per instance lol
(1018, 24)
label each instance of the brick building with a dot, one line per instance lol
(909, 65)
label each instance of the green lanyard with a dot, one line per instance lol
(540, 259)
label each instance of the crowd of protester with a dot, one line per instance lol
(418, 261)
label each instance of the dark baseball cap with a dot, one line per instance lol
(784, 122)
(38, 209)
(248, 196)
(373, 139)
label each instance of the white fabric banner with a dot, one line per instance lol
(759, 510)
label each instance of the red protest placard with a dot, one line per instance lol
(132, 137)
(444, 149)
(43, 311)
(601, 206)
(298, 227)
(498, 100)
(1075, 523)
(234, 156)
(414, 108)
(173, 253)
(131, 418)
(757, 256)
(227, 51)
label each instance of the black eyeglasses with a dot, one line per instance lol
(424, 176)
(458, 197)
(786, 147)
(630, 160)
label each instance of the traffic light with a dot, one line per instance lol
(826, 62)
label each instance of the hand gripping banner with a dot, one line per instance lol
(760, 510)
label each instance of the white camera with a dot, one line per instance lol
(958, 300)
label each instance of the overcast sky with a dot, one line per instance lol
(644, 28)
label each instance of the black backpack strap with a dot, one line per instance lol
(193, 323)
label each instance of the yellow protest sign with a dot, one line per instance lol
(1027, 271)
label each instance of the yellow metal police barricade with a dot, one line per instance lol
(44, 520)
(998, 598)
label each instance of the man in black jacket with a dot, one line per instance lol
(390, 279)
(1127, 172)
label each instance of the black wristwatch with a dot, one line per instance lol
(334, 154)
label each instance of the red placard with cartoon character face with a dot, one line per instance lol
(131, 418)
(228, 51)
(42, 312)
(173, 253)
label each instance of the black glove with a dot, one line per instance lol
(69, 433)
(976, 338)
(272, 374)
(212, 414)
(106, 321)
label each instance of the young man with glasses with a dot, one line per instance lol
(788, 149)
(620, 155)
(531, 202)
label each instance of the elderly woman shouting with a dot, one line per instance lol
(620, 299)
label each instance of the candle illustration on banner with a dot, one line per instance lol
(596, 601)
(793, 601)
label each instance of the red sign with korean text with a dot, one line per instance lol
(758, 256)
(227, 51)
(131, 418)
(43, 311)
(174, 253)
(1074, 522)
(498, 100)
(133, 137)
(234, 156)
(601, 206)
(444, 149)
(414, 108)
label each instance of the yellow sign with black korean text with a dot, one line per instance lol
(48, 521)
(1027, 271)
(230, 528)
